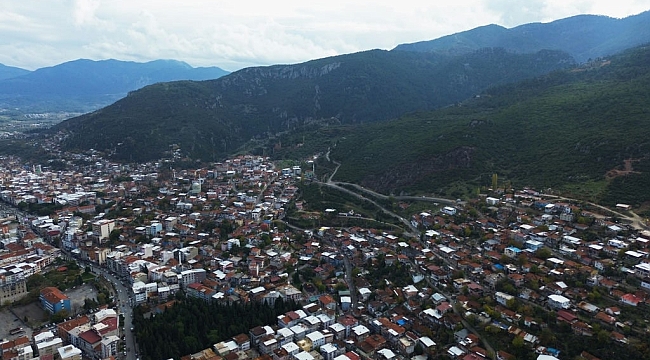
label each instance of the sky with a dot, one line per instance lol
(233, 34)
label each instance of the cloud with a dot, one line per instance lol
(235, 34)
(84, 11)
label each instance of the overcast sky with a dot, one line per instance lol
(233, 34)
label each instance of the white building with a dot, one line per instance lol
(503, 298)
(317, 339)
(449, 210)
(109, 346)
(69, 352)
(558, 302)
(642, 270)
(102, 228)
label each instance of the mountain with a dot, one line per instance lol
(582, 36)
(87, 85)
(7, 72)
(213, 118)
(585, 130)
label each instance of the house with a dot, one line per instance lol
(563, 315)
(558, 302)
(608, 319)
(631, 299)
(512, 252)
(503, 298)
(449, 210)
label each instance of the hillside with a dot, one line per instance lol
(7, 72)
(583, 37)
(585, 130)
(85, 85)
(213, 118)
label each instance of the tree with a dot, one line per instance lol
(522, 260)
(418, 349)
(225, 229)
(295, 279)
(340, 286)
(59, 316)
(547, 337)
(543, 253)
(114, 235)
(511, 304)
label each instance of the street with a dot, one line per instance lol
(122, 301)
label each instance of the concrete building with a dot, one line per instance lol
(69, 352)
(102, 228)
(53, 300)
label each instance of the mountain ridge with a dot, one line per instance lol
(257, 103)
(7, 72)
(582, 36)
(85, 84)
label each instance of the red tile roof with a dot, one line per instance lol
(90, 337)
(53, 295)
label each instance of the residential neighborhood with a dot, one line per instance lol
(505, 275)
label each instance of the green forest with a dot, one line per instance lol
(191, 325)
(565, 129)
(211, 119)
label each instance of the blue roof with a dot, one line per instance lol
(553, 351)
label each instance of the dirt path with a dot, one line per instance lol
(627, 169)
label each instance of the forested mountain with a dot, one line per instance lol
(586, 130)
(7, 72)
(85, 85)
(212, 118)
(582, 36)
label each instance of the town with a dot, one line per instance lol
(509, 274)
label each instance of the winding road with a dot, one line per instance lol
(635, 220)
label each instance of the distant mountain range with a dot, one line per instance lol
(211, 119)
(582, 36)
(86, 85)
(7, 72)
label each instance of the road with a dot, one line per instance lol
(635, 220)
(124, 308)
(338, 185)
(411, 198)
(350, 281)
(260, 196)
